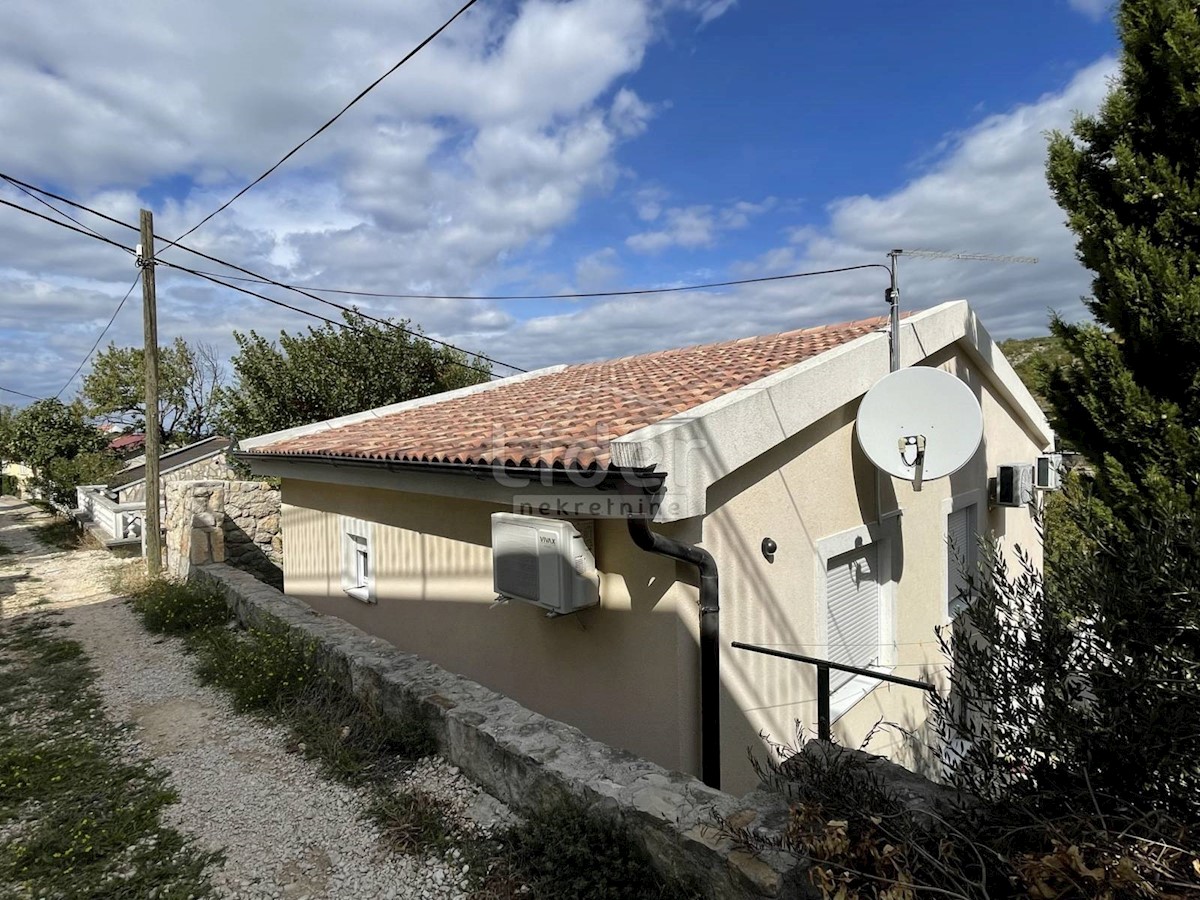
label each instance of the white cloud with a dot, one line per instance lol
(488, 144)
(485, 144)
(690, 227)
(987, 193)
(598, 271)
(1094, 9)
(707, 10)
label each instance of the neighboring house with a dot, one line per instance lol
(128, 445)
(18, 480)
(113, 512)
(729, 446)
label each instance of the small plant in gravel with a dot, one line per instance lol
(168, 607)
(60, 534)
(352, 739)
(412, 821)
(261, 670)
(77, 818)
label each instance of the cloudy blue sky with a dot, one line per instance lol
(541, 147)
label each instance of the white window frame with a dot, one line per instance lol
(950, 506)
(357, 553)
(848, 694)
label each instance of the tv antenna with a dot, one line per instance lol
(892, 295)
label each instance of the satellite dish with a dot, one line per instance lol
(919, 424)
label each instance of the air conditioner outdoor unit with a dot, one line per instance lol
(545, 562)
(1047, 472)
(1014, 484)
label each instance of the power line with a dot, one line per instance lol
(417, 49)
(20, 393)
(576, 296)
(84, 231)
(20, 186)
(260, 278)
(103, 332)
(234, 287)
(302, 289)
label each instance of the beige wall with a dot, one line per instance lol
(800, 494)
(625, 673)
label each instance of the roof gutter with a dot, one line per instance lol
(581, 478)
(710, 659)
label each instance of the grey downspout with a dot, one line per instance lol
(710, 660)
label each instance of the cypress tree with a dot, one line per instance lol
(1129, 181)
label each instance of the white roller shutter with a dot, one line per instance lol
(960, 554)
(852, 599)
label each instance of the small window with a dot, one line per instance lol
(357, 569)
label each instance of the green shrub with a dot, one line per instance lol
(171, 607)
(260, 669)
(565, 850)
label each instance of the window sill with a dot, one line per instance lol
(359, 593)
(847, 696)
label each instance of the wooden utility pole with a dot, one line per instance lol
(151, 528)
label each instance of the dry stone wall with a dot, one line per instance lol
(231, 522)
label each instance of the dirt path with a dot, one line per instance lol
(287, 832)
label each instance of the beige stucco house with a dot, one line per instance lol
(726, 448)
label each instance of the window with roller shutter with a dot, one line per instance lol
(853, 614)
(960, 556)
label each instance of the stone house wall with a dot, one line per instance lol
(232, 522)
(210, 468)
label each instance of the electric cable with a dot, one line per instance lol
(20, 393)
(20, 186)
(84, 231)
(576, 296)
(103, 332)
(417, 49)
(234, 287)
(263, 279)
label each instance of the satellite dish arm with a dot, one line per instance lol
(916, 444)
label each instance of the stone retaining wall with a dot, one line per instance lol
(232, 522)
(524, 758)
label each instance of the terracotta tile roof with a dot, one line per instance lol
(127, 442)
(567, 419)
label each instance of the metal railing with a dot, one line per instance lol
(824, 666)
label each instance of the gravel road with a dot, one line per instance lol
(287, 831)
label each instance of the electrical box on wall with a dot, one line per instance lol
(545, 562)
(1014, 485)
